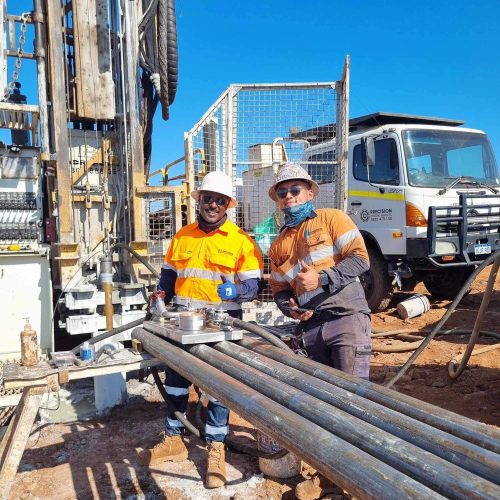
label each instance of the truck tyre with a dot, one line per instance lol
(377, 283)
(446, 283)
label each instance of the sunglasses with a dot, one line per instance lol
(293, 190)
(208, 199)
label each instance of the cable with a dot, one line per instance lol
(445, 317)
(197, 431)
(454, 372)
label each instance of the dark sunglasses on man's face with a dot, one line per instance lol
(208, 199)
(293, 190)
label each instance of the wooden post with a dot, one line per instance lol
(14, 442)
(60, 145)
(95, 90)
(136, 158)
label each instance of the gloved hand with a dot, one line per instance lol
(227, 291)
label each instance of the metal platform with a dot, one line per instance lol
(209, 334)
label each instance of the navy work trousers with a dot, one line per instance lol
(342, 342)
(177, 387)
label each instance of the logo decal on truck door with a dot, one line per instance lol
(376, 214)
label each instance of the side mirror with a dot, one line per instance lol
(368, 151)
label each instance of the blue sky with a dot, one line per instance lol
(437, 58)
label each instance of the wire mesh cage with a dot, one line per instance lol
(161, 225)
(251, 131)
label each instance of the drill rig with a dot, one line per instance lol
(76, 212)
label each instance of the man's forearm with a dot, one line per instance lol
(282, 299)
(167, 283)
(247, 290)
(345, 272)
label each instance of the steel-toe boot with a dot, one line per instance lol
(170, 449)
(316, 487)
(216, 467)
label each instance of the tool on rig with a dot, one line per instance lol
(193, 326)
(190, 326)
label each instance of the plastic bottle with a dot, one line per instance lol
(29, 345)
(87, 352)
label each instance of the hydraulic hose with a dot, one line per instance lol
(172, 52)
(171, 406)
(417, 340)
(109, 333)
(442, 321)
(261, 332)
(139, 257)
(168, 56)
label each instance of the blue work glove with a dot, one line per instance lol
(227, 291)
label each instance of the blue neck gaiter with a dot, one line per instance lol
(298, 213)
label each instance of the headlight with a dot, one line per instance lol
(445, 248)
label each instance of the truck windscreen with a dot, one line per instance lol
(433, 157)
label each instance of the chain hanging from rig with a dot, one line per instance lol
(20, 51)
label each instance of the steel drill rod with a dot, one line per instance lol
(469, 456)
(440, 475)
(462, 427)
(350, 468)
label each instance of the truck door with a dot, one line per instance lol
(377, 203)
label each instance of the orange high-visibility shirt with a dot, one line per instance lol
(200, 259)
(321, 242)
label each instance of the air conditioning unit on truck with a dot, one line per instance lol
(425, 194)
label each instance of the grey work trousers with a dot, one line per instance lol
(343, 342)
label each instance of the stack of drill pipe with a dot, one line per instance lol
(368, 449)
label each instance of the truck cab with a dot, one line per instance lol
(425, 194)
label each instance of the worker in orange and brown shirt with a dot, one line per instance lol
(316, 261)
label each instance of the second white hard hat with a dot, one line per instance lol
(217, 182)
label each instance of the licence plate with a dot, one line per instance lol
(482, 249)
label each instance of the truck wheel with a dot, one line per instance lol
(446, 283)
(377, 282)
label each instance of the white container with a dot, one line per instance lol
(414, 306)
(284, 467)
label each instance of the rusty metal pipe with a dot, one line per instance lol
(469, 456)
(349, 467)
(474, 432)
(106, 281)
(440, 475)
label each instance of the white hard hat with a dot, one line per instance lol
(288, 172)
(217, 182)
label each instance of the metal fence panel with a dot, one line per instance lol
(251, 131)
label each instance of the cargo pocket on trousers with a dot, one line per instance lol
(361, 366)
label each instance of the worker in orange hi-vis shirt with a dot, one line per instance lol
(316, 261)
(210, 263)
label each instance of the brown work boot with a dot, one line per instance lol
(216, 465)
(170, 449)
(316, 487)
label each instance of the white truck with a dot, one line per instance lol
(425, 194)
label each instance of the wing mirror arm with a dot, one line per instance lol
(368, 157)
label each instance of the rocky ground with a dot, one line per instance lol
(96, 458)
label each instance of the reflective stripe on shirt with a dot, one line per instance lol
(205, 304)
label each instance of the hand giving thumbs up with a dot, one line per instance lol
(307, 278)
